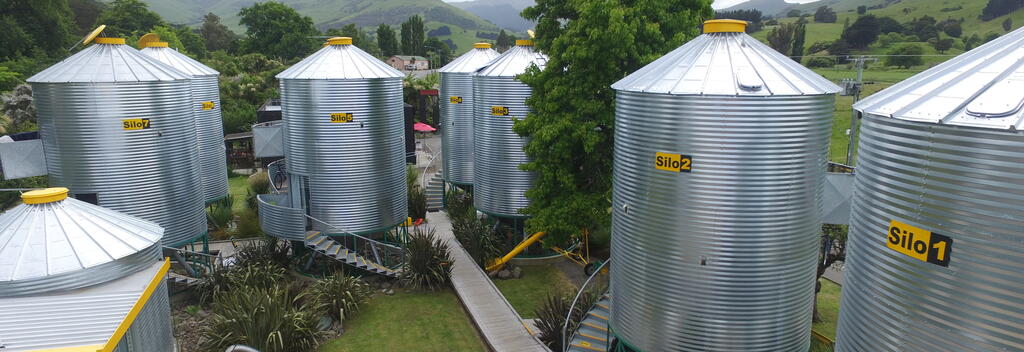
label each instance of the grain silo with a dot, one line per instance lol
(935, 259)
(344, 138)
(457, 112)
(720, 158)
(76, 276)
(206, 106)
(118, 131)
(499, 186)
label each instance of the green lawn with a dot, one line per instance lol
(236, 187)
(527, 293)
(828, 307)
(409, 321)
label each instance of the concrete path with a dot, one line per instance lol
(495, 319)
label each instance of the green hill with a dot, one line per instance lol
(902, 11)
(328, 14)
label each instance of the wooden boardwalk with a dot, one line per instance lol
(502, 328)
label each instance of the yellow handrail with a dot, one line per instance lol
(159, 278)
(497, 264)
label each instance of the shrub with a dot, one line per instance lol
(266, 250)
(342, 295)
(259, 183)
(820, 62)
(427, 261)
(269, 319)
(417, 203)
(551, 317)
(459, 203)
(480, 241)
(248, 225)
(905, 56)
(219, 213)
(258, 275)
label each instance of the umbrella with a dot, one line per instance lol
(422, 127)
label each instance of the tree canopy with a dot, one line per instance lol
(277, 30)
(862, 32)
(386, 40)
(572, 121)
(413, 36)
(126, 18)
(43, 25)
(216, 34)
(825, 14)
(905, 56)
(504, 41)
(359, 37)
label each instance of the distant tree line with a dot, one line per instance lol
(754, 18)
(996, 8)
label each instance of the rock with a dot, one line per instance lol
(385, 284)
(504, 274)
(389, 292)
(492, 274)
(517, 272)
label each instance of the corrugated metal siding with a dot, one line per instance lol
(720, 258)
(457, 127)
(961, 182)
(279, 219)
(150, 173)
(356, 169)
(210, 129)
(152, 329)
(499, 186)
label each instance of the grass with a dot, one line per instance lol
(409, 321)
(526, 294)
(236, 188)
(828, 307)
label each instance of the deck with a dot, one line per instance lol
(502, 328)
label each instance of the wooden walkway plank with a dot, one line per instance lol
(500, 325)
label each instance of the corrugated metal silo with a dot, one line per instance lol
(936, 246)
(118, 130)
(720, 157)
(457, 112)
(499, 186)
(344, 137)
(71, 273)
(206, 106)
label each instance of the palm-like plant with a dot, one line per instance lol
(269, 319)
(428, 264)
(341, 294)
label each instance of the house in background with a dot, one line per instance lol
(409, 63)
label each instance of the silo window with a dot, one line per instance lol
(88, 198)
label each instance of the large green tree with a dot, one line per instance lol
(862, 32)
(799, 37)
(504, 41)
(438, 52)
(276, 30)
(413, 36)
(37, 25)
(591, 44)
(216, 35)
(387, 40)
(129, 18)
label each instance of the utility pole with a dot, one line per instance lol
(853, 87)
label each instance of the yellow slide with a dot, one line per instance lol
(498, 263)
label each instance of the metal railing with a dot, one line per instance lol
(190, 261)
(423, 176)
(583, 310)
(384, 254)
(277, 172)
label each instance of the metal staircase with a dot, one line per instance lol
(592, 333)
(435, 193)
(333, 249)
